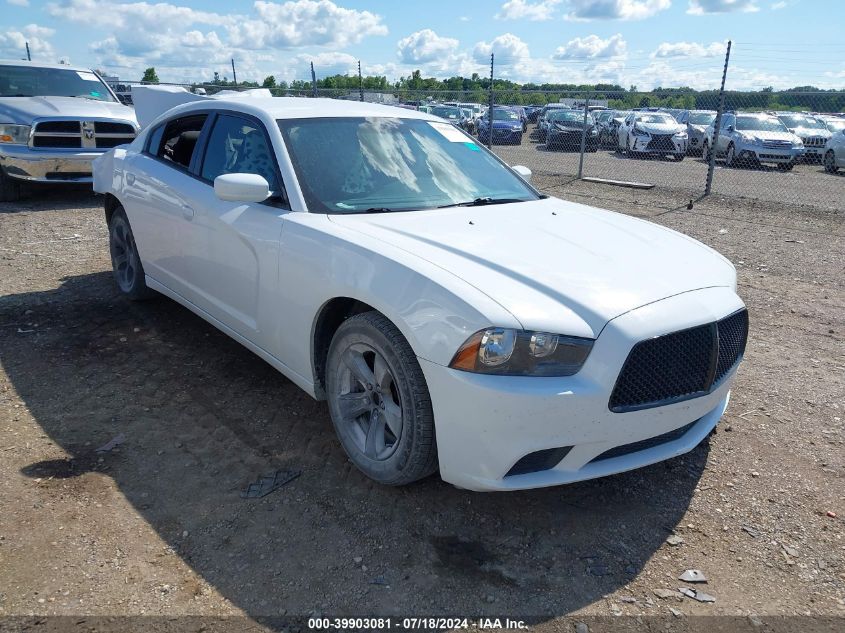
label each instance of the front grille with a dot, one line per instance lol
(81, 134)
(649, 442)
(680, 365)
(776, 144)
(814, 141)
(661, 142)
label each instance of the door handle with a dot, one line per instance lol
(188, 212)
(130, 178)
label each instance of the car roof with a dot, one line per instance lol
(24, 62)
(306, 108)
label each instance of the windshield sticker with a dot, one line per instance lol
(343, 205)
(94, 93)
(87, 76)
(473, 146)
(450, 132)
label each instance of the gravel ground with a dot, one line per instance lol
(157, 526)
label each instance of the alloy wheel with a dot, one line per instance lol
(124, 256)
(369, 401)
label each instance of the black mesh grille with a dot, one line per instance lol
(670, 367)
(661, 141)
(539, 460)
(56, 141)
(733, 333)
(106, 127)
(680, 365)
(69, 127)
(650, 442)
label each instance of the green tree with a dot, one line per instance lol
(269, 82)
(150, 76)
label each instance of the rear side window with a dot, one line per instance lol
(176, 140)
(239, 146)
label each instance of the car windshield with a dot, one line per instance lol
(447, 112)
(702, 118)
(32, 81)
(381, 164)
(760, 123)
(656, 118)
(505, 115)
(571, 116)
(801, 120)
(834, 125)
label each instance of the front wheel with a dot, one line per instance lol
(730, 156)
(830, 162)
(786, 166)
(10, 189)
(126, 263)
(379, 401)
(708, 154)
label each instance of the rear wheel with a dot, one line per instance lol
(830, 162)
(708, 155)
(10, 189)
(379, 401)
(730, 156)
(126, 263)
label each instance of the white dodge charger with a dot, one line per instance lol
(454, 317)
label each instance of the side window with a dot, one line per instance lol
(727, 121)
(177, 140)
(239, 146)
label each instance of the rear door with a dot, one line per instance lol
(156, 197)
(232, 251)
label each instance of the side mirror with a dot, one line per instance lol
(241, 188)
(523, 171)
(730, 128)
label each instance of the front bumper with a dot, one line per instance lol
(501, 135)
(767, 155)
(645, 145)
(486, 424)
(24, 163)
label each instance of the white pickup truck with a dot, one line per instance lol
(55, 120)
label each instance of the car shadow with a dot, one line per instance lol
(48, 197)
(198, 417)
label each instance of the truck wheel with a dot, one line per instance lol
(126, 263)
(830, 162)
(10, 189)
(379, 401)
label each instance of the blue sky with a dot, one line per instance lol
(647, 43)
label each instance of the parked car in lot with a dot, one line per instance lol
(55, 120)
(565, 129)
(654, 133)
(453, 114)
(833, 123)
(834, 152)
(812, 131)
(696, 122)
(507, 128)
(609, 129)
(532, 112)
(749, 139)
(448, 312)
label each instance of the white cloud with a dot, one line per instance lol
(592, 47)
(779, 5)
(424, 47)
(702, 7)
(509, 50)
(689, 49)
(13, 43)
(525, 10)
(18, 3)
(582, 10)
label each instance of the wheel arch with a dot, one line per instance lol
(110, 204)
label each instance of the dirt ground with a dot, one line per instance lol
(157, 526)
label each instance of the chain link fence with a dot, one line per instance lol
(778, 147)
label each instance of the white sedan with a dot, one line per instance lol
(453, 317)
(653, 133)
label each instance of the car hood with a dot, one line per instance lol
(507, 125)
(22, 110)
(810, 131)
(771, 136)
(550, 263)
(661, 128)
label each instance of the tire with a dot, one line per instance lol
(730, 156)
(10, 189)
(708, 155)
(373, 377)
(830, 162)
(631, 153)
(786, 166)
(126, 263)
(678, 157)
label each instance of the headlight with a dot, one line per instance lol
(506, 352)
(680, 134)
(18, 134)
(593, 132)
(639, 132)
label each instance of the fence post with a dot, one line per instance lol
(234, 74)
(360, 82)
(717, 124)
(490, 108)
(584, 136)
